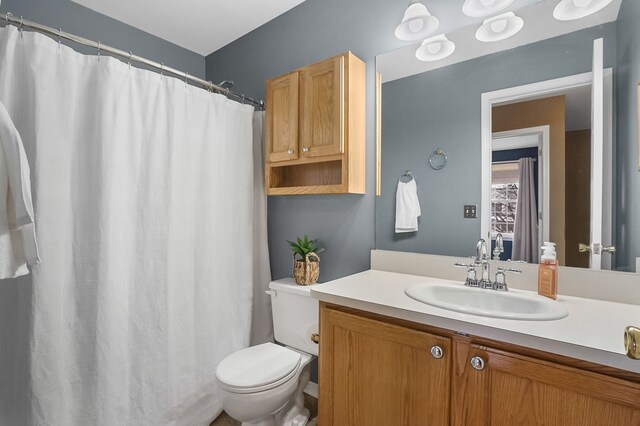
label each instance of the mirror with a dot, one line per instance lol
(447, 104)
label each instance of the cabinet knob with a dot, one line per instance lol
(315, 338)
(477, 363)
(437, 352)
(290, 151)
(632, 342)
(305, 149)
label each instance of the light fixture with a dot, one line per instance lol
(568, 10)
(500, 27)
(480, 8)
(435, 49)
(417, 23)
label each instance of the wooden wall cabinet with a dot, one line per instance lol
(380, 371)
(315, 129)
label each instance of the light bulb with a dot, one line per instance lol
(582, 3)
(481, 8)
(417, 23)
(435, 49)
(499, 26)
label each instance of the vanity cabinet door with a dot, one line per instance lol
(493, 387)
(375, 373)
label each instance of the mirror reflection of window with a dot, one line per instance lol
(504, 198)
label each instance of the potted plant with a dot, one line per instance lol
(306, 262)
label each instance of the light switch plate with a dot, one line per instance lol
(470, 211)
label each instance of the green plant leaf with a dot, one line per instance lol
(304, 246)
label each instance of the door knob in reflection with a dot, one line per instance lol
(596, 248)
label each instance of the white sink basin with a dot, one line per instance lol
(488, 303)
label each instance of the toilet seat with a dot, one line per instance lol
(258, 368)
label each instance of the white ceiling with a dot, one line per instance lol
(200, 26)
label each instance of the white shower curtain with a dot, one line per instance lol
(144, 197)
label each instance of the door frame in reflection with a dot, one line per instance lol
(540, 90)
(542, 134)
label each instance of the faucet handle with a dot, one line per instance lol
(500, 283)
(472, 279)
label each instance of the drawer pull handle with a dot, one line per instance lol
(477, 363)
(290, 151)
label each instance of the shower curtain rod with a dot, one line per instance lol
(208, 85)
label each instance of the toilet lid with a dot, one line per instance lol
(257, 366)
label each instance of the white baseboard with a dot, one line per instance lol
(312, 390)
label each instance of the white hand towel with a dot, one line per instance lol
(18, 247)
(407, 207)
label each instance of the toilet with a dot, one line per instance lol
(263, 385)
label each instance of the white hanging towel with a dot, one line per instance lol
(18, 246)
(407, 207)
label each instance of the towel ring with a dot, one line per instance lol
(407, 174)
(438, 164)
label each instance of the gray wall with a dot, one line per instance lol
(441, 108)
(315, 30)
(312, 31)
(628, 176)
(84, 22)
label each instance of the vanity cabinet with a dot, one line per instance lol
(375, 373)
(497, 387)
(315, 129)
(376, 370)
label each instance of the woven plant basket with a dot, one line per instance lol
(306, 272)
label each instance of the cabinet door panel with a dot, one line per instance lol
(374, 373)
(281, 132)
(526, 391)
(322, 112)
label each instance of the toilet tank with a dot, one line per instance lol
(295, 314)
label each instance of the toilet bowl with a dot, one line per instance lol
(263, 385)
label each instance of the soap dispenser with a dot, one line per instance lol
(548, 272)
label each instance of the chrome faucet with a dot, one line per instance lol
(497, 251)
(482, 259)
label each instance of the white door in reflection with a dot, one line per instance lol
(580, 166)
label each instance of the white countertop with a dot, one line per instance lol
(593, 330)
